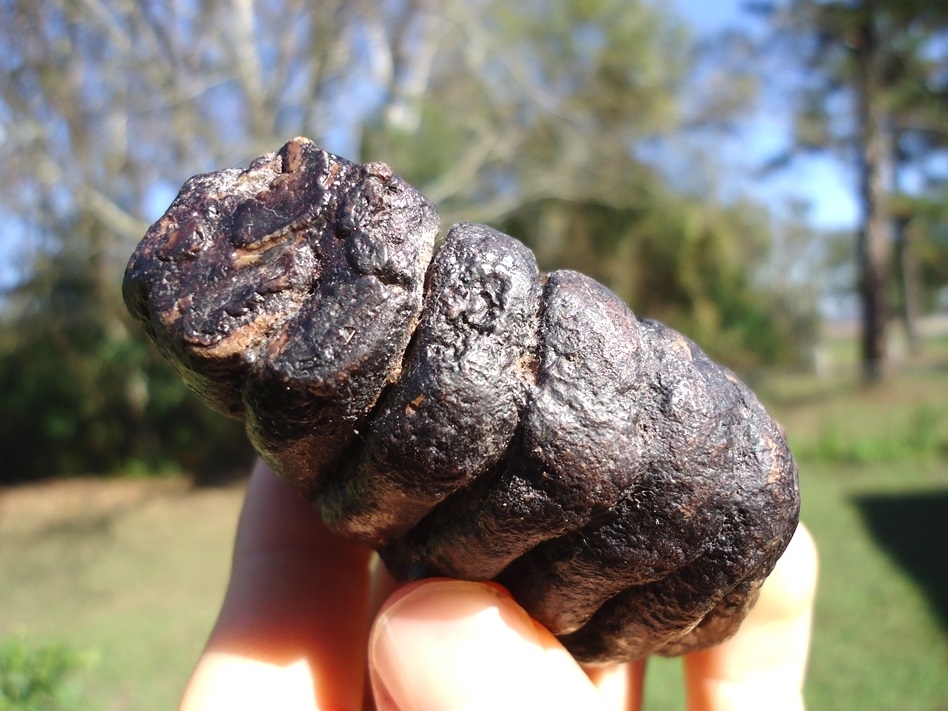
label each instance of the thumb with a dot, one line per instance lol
(448, 644)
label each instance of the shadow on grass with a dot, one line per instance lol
(913, 528)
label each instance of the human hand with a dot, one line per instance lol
(298, 618)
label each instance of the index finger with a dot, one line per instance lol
(292, 631)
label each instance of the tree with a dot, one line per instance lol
(566, 175)
(496, 111)
(885, 60)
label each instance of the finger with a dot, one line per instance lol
(763, 665)
(382, 587)
(293, 627)
(447, 644)
(620, 686)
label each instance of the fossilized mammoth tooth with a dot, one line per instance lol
(470, 416)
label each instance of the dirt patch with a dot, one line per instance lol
(132, 571)
(29, 508)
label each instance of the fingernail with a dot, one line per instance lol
(452, 645)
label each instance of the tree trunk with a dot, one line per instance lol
(874, 246)
(911, 284)
(904, 230)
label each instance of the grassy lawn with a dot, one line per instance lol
(132, 571)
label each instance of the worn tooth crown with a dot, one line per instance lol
(470, 416)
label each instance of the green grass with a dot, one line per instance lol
(874, 478)
(40, 678)
(131, 572)
(880, 628)
(846, 422)
(880, 637)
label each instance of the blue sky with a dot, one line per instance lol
(824, 182)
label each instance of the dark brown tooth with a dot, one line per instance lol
(470, 417)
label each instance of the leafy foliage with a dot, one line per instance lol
(681, 262)
(921, 438)
(39, 678)
(530, 117)
(874, 91)
(83, 396)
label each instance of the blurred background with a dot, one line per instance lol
(769, 178)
